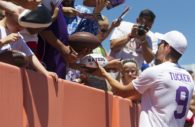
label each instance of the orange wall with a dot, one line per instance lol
(30, 99)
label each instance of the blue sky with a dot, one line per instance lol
(170, 15)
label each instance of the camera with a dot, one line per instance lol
(142, 29)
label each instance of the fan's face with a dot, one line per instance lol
(129, 70)
(146, 21)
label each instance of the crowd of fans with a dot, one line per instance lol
(47, 50)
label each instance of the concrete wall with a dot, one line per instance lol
(29, 99)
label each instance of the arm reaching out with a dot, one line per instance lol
(133, 93)
(34, 62)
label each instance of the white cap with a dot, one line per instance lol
(88, 60)
(176, 40)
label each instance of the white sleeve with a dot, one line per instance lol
(20, 45)
(123, 29)
(145, 81)
(116, 33)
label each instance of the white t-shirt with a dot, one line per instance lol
(19, 45)
(166, 93)
(29, 37)
(132, 49)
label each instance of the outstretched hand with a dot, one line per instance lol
(116, 23)
(53, 75)
(70, 11)
(115, 63)
(100, 4)
(10, 38)
(101, 70)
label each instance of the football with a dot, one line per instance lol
(81, 40)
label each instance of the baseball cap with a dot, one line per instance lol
(176, 40)
(89, 60)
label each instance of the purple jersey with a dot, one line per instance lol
(50, 56)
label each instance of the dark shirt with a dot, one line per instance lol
(50, 56)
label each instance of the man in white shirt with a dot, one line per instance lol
(166, 89)
(132, 41)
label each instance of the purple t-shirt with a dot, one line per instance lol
(49, 55)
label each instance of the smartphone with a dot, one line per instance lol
(123, 14)
(114, 3)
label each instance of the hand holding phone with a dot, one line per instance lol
(117, 22)
(123, 14)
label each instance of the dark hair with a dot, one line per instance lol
(148, 13)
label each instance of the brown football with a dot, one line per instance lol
(81, 40)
